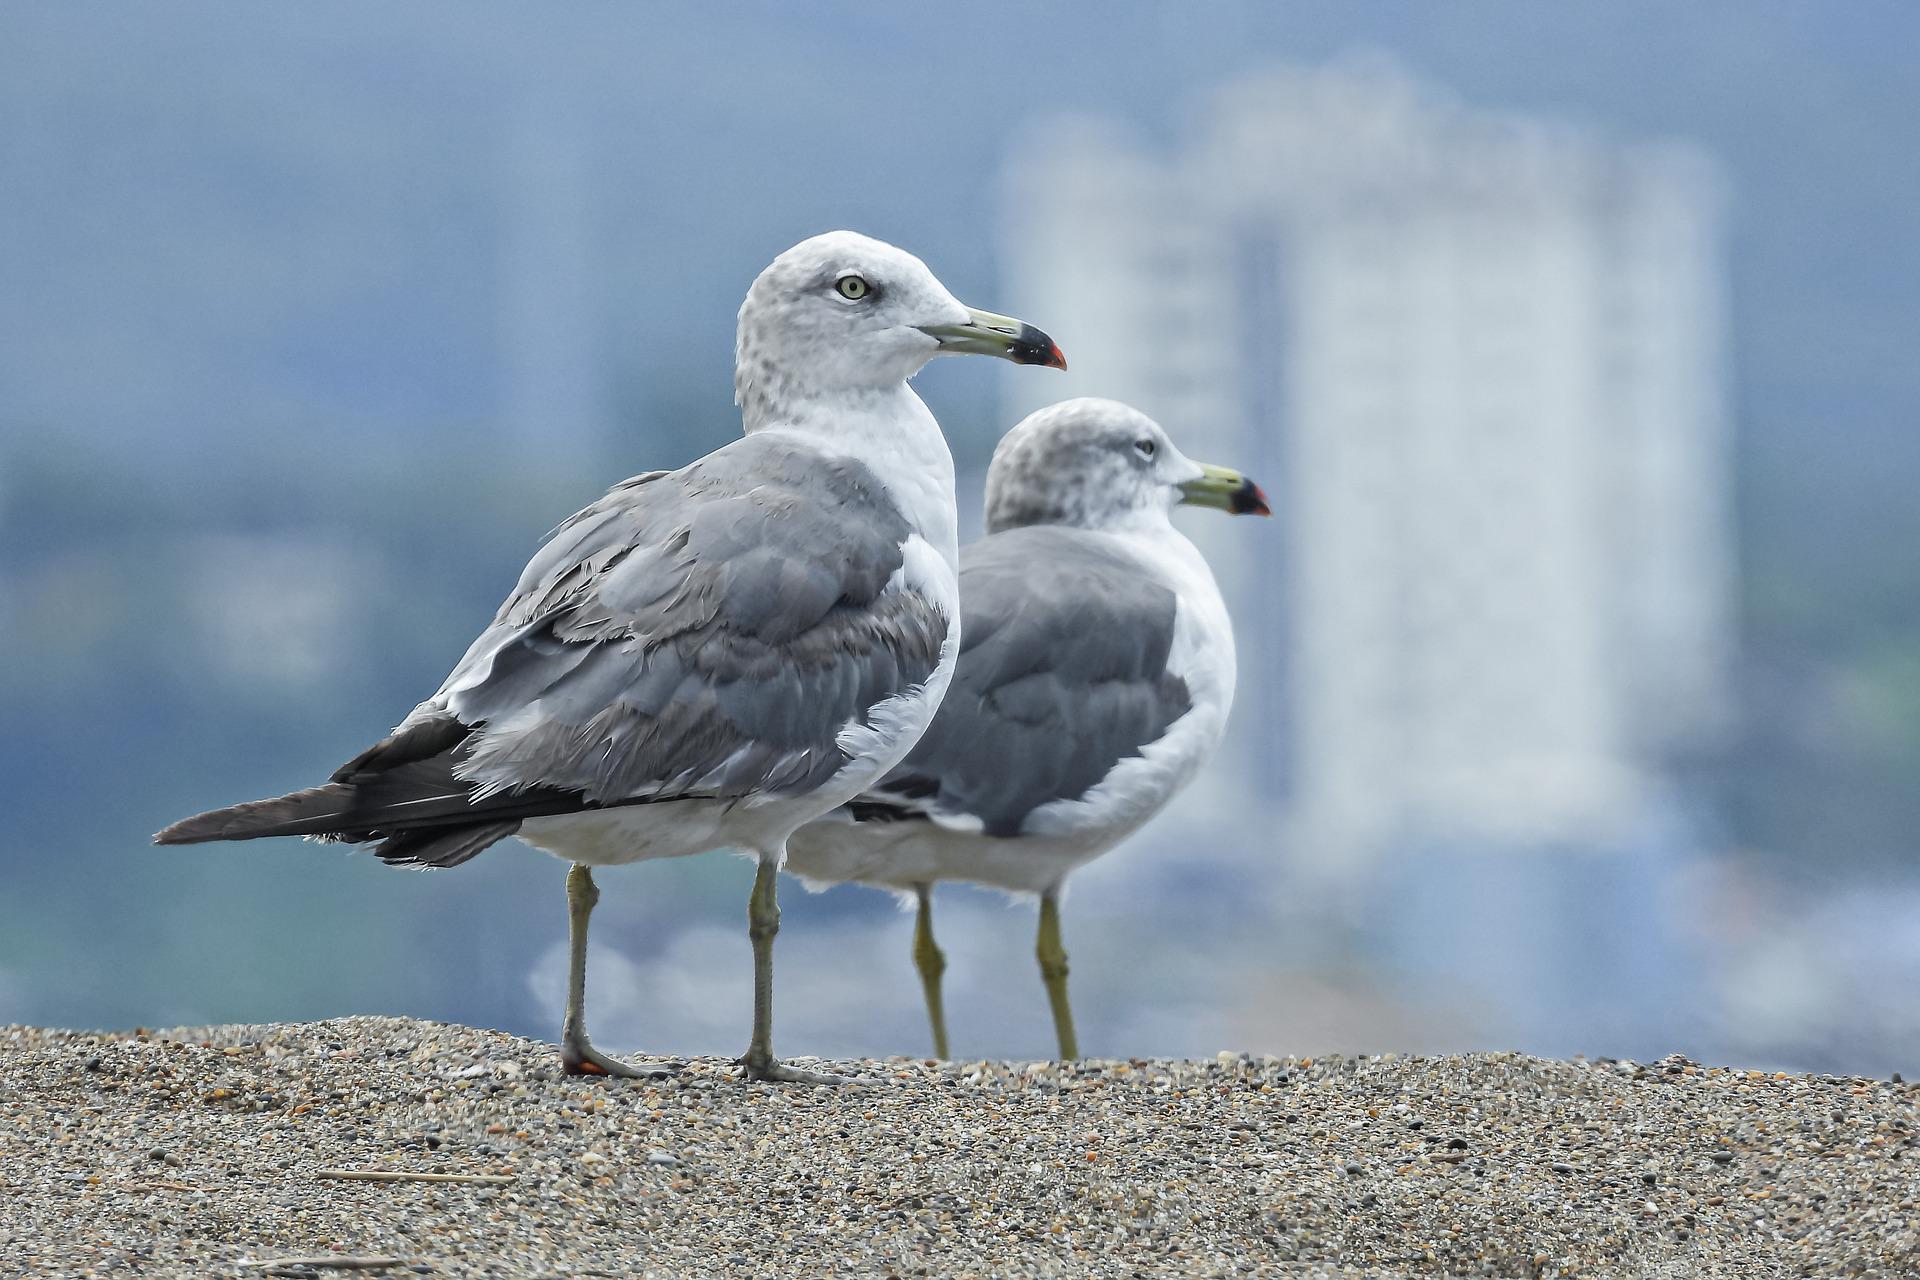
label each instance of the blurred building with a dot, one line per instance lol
(1477, 361)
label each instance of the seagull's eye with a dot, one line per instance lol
(852, 288)
(1144, 448)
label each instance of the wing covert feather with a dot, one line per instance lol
(1062, 674)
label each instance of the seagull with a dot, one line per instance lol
(1096, 671)
(704, 658)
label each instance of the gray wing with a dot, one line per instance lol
(705, 632)
(1062, 674)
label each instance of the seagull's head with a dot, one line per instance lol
(845, 312)
(1100, 464)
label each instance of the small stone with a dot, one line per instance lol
(1561, 1167)
(1720, 1157)
(1355, 1169)
(657, 1156)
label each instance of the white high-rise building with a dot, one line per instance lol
(1476, 361)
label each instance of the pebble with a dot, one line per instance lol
(186, 1153)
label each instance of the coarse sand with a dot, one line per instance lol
(217, 1152)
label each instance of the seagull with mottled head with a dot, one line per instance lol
(704, 658)
(1096, 671)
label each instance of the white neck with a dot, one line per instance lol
(1152, 521)
(1152, 536)
(894, 434)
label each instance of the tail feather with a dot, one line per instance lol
(439, 847)
(405, 792)
(316, 811)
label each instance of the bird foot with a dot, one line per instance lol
(585, 1060)
(780, 1073)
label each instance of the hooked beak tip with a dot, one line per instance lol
(1031, 346)
(1225, 489)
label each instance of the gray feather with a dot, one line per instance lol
(710, 631)
(1062, 674)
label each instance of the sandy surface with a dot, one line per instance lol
(201, 1153)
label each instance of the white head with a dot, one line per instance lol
(843, 313)
(1100, 464)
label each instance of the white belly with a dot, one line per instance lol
(900, 855)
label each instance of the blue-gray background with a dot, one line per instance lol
(301, 352)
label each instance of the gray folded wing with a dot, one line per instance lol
(1063, 673)
(705, 632)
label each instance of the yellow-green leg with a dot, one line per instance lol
(577, 1054)
(931, 964)
(1053, 971)
(763, 923)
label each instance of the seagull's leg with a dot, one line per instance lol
(1053, 971)
(763, 922)
(577, 1055)
(931, 964)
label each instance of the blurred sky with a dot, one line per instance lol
(374, 294)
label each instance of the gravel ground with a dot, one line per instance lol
(202, 1153)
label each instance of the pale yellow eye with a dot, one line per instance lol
(852, 288)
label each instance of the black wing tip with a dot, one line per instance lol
(420, 740)
(195, 830)
(315, 811)
(870, 809)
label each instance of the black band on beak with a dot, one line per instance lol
(1225, 489)
(1247, 500)
(1031, 346)
(987, 334)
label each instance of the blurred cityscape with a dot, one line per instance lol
(1580, 694)
(1477, 361)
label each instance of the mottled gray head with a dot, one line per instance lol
(1100, 464)
(844, 313)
